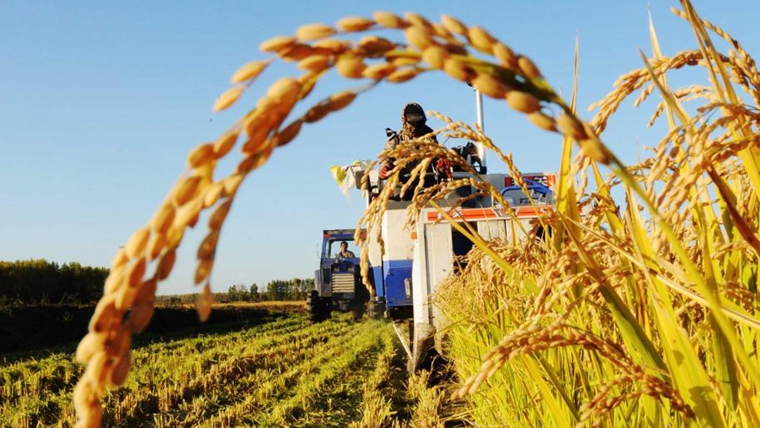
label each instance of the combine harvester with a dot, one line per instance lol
(415, 262)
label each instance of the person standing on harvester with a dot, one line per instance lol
(413, 126)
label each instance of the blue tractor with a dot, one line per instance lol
(338, 282)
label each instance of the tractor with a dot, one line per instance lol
(338, 282)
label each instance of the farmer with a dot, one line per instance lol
(412, 126)
(344, 253)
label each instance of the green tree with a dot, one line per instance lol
(254, 292)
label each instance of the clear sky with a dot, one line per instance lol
(101, 101)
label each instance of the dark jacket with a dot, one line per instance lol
(413, 126)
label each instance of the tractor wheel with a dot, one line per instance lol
(326, 305)
(315, 306)
(375, 310)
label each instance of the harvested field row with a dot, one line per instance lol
(287, 372)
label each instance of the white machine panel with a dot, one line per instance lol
(398, 241)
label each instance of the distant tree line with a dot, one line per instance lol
(34, 282)
(277, 290)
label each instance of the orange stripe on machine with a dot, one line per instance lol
(474, 214)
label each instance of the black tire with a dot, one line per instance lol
(315, 307)
(357, 312)
(375, 310)
(326, 305)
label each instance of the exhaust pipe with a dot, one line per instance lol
(481, 148)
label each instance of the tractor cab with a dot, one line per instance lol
(337, 282)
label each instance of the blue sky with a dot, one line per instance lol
(101, 101)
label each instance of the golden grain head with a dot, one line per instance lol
(454, 25)
(441, 31)
(458, 70)
(297, 52)
(340, 100)
(84, 396)
(419, 21)
(213, 193)
(119, 259)
(418, 37)
(228, 98)
(401, 61)
(232, 183)
(403, 75)
(571, 127)
(374, 45)
(135, 272)
(220, 213)
(249, 71)
(288, 134)
(166, 264)
(257, 137)
(505, 55)
(378, 71)
(390, 20)
(105, 315)
(314, 63)
(163, 219)
(481, 39)
(115, 279)
(595, 150)
(278, 43)
(332, 46)
(543, 121)
(285, 92)
(523, 102)
(156, 245)
(203, 270)
(255, 160)
(350, 66)
(225, 143)
(88, 345)
(592, 147)
(174, 236)
(204, 303)
(490, 85)
(316, 113)
(91, 417)
(353, 24)
(147, 290)
(436, 56)
(316, 31)
(186, 190)
(120, 343)
(456, 49)
(208, 246)
(187, 216)
(139, 317)
(201, 155)
(124, 298)
(119, 373)
(528, 68)
(308, 81)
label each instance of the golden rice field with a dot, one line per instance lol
(287, 372)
